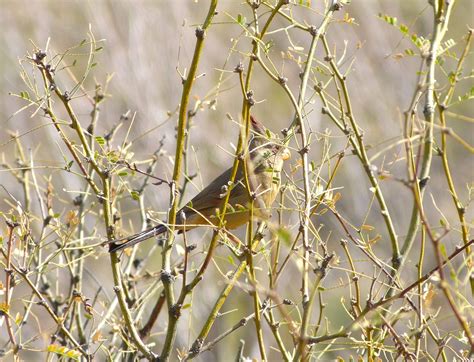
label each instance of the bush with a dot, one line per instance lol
(368, 253)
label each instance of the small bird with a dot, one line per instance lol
(264, 166)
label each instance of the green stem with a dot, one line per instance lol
(198, 343)
(460, 208)
(307, 299)
(173, 314)
(117, 275)
(362, 153)
(441, 19)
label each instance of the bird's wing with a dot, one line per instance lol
(212, 195)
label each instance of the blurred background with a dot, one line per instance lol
(146, 44)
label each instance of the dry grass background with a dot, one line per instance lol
(144, 42)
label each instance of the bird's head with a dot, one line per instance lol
(266, 150)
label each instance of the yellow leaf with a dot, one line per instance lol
(97, 337)
(71, 218)
(63, 351)
(18, 319)
(375, 239)
(4, 308)
(428, 296)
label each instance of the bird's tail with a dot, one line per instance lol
(120, 244)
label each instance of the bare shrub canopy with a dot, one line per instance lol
(363, 248)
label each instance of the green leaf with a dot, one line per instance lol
(442, 249)
(404, 29)
(453, 275)
(417, 40)
(388, 19)
(25, 95)
(114, 156)
(447, 45)
(135, 195)
(123, 173)
(268, 45)
(284, 235)
(100, 140)
(452, 77)
(241, 19)
(468, 95)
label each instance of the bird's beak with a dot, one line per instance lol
(285, 154)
